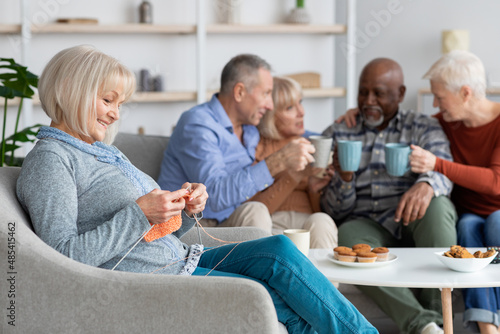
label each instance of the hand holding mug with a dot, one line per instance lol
(346, 176)
(295, 156)
(421, 161)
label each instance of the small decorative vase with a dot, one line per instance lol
(230, 11)
(299, 15)
(146, 12)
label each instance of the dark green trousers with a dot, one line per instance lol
(411, 311)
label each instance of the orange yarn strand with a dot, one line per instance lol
(216, 239)
(206, 250)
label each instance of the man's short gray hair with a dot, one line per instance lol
(457, 69)
(243, 68)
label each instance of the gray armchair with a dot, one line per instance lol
(52, 293)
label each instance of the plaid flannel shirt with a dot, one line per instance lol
(373, 193)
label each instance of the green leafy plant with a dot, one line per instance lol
(15, 81)
(300, 3)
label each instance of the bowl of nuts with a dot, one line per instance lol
(458, 258)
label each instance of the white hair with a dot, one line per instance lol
(457, 69)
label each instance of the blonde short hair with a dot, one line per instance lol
(457, 69)
(71, 82)
(286, 92)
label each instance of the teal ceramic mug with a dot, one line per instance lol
(349, 154)
(397, 161)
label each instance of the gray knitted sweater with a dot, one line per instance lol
(86, 210)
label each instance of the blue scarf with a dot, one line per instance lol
(103, 153)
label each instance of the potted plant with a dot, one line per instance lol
(15, 81)
(299, 14)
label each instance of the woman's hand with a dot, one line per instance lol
(197, 199)
(161, 205)
(349, 117)
(295, 156)
(346, 176)
(421, 161)
(317, 182)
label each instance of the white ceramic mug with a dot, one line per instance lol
(323, 147)
(301, 239)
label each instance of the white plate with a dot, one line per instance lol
(391, 258)
(464, 265)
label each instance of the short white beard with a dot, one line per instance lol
(370, 122)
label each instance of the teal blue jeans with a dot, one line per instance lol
(305, 300)
(411, 311)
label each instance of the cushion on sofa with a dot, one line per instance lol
(144, 151)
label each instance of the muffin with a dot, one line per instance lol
(382, 253)
(338, 249)
(346, 256)
(367, 257)
(361, 247)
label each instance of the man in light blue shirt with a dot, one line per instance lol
(214, 144)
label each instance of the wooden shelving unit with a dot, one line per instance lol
(148, 97)
(165, 97)
(324, 92)
(64, 28)
(133, 28)
(201, 31)
(10, 28)
(276, 29)
(159, 97)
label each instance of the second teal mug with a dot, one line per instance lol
(397, 158)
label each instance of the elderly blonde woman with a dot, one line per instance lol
(97, 208)
(293, 199)
(472, 124)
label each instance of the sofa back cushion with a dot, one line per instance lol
(145, 152)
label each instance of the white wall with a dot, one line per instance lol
(412, 35)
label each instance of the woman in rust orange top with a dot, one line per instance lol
(472, 124)
(293, 199)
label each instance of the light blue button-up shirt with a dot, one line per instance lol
(204, 149)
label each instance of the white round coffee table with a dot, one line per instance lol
(413, 268)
